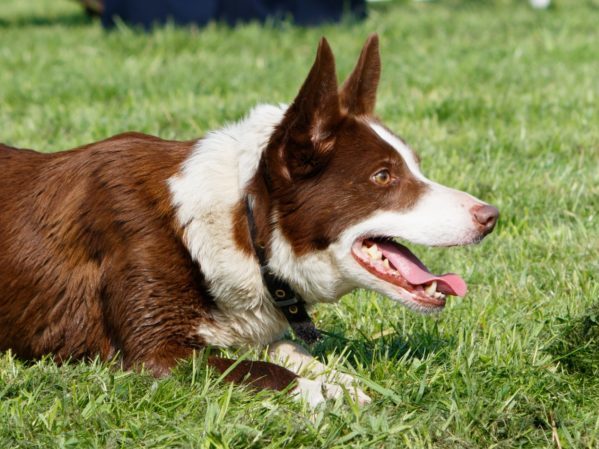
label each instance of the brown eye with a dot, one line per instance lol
(382, 177)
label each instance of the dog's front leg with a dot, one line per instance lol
(295, 358)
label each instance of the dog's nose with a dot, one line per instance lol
(486, 216)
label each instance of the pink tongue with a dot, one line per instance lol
(414, 271)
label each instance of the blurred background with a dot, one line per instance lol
(498, 97)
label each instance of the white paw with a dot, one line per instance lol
(335, 391)
(350, 383)
(309, 391)
(359, 396)
(315, 392)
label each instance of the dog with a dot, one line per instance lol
(147, 249)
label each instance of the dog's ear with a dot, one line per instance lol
(307, 132)
(358, 93)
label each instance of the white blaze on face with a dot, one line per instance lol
(440, 217)
(404, 151)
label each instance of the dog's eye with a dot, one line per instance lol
(381, 177)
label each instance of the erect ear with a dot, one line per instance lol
(358, 93)
(315, 112)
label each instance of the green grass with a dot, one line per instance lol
(499, 100)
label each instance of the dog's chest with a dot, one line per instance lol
(205, 193)
(243, 328)
(244, 315)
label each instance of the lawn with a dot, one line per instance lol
(499, 100)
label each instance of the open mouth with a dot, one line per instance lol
(398, 266)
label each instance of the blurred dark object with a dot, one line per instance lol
(93, 7)
(147, 13)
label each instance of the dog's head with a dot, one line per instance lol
(342, 187)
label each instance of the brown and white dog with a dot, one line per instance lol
(140, 246)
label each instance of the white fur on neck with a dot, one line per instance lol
(315, 275)
(204, 193)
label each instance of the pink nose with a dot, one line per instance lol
(486, 217)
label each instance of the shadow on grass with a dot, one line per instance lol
(577, 347)
(419, 344)
(65, 20)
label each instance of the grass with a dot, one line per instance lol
(499, 100)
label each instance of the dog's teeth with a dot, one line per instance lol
(374, 252)
(386, 264)
(431, 289)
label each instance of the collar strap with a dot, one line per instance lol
(281, 294)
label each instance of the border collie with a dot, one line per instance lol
(150, 249)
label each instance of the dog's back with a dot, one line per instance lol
(68, 223)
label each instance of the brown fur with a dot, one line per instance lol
(90, 257)
(257, 374)
(358, 94)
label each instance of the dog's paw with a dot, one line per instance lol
(316, 392)
(335, 391)
(336, 380)
(310, 391)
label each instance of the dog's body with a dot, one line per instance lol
(141, 246)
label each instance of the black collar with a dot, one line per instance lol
(282, 295)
